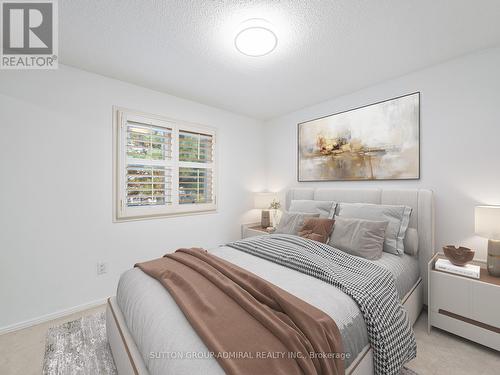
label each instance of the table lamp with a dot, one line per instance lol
(263, 202)
(488, 225)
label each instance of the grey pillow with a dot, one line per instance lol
(411, 241)
(325, 209)
(364, 238)
(398, 218)
(292, 222)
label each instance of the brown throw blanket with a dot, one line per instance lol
(250, 325)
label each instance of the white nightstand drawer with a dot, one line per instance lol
(469, 331)
(451, 293)
(486, 303)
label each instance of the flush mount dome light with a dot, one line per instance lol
(256, 41)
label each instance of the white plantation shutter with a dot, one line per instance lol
(148, 142)
(148, 185)
(195, 147)
(195, 167)
(163, 167)
(148, 178)
(195, 185)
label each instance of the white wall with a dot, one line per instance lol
(56, 188)
(460, 137)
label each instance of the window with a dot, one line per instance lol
(163, 167)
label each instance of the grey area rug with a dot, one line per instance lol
(81, 347)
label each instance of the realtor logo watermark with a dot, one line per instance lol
(29, 34)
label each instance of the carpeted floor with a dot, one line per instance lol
(407, 371)
(80, 347)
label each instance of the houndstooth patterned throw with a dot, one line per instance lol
(370, 285)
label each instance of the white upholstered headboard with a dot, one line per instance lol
(422, 217)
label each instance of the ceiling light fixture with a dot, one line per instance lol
(256, 41)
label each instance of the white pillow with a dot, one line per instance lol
(411, 241)
(398, 218)
(325, 209)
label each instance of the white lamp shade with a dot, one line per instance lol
(263, 200)
(488, 222)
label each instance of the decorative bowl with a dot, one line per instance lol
(459, 256)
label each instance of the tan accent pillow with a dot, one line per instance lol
(364, 238)
(317, 229)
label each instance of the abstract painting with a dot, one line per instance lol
(379, 141)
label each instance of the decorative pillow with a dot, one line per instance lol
(398, 218)
(290, 223)
(317, 229)
(364, 238)
(325, 209)
(411, 241)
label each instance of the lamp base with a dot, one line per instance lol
(493, 261)
(265, 219)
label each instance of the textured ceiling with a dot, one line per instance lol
(326, 47)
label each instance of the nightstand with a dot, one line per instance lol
(464, 306)
(252, 229)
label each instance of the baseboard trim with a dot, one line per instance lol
(55, 315)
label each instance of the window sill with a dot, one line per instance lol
(117, 219)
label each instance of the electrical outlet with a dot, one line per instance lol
(102, 268)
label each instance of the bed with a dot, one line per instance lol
(144, 323)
